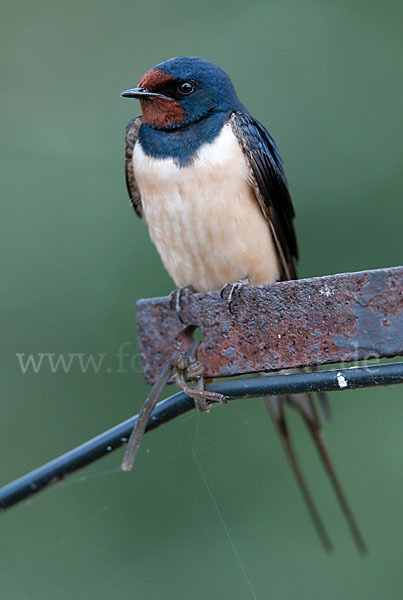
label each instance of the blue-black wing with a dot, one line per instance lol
(270, 186)
(132, 133)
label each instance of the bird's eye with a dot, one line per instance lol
(186, 87)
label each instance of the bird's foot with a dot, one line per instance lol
(230, 291)
(179, 297)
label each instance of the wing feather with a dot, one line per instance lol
(269, 182)
(132, 133)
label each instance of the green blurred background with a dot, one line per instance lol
(211, 504)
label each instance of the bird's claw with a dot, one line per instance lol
(178, 298)
(230, 291)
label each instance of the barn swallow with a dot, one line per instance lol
(208, 180)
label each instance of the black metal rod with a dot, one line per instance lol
(180, 403)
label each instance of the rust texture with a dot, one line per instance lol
(332, 319)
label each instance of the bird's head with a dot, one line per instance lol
(181, 91)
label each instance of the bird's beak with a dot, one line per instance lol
(141, 92)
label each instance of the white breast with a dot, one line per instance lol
(204, 218)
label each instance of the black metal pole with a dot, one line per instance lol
(172, 407)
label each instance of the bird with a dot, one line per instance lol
(208, 180)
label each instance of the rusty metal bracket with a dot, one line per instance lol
(339, 318)
(323, 320)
